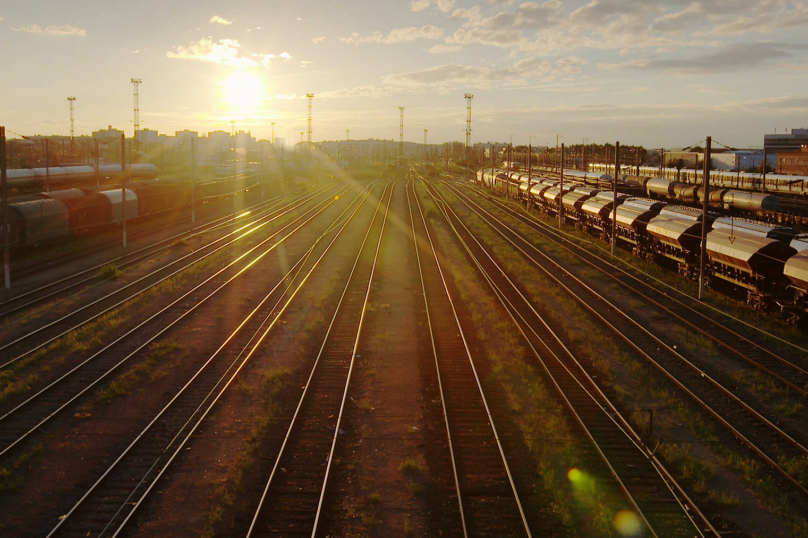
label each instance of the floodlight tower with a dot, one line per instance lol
(468, 97)
(401, 136)
(70, 100)
(136, 83)
(310, 97)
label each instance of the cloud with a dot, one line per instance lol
(53, 29)
(372, 92)
(224, 52)
(443, 49)
(397, 35)
(422, 5)
(515, 74)
(318, 40)
(220, 20)
(736, 57)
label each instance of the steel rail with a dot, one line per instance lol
(236, 236)
(128, 259)
(554, 231)
(593, 392)
(212, 396)
(306, 218)
(441, 374)
(731, 334)
(320, 359)
(760, 418)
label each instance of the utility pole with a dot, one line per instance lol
(193, 184)
(71, 100)
(4, 193)
(136, 83)
(560, 194)
(273, 133)
(310, 97)
(401, 136)
(123, 191)
(529, 169)
(425, 145)
(468, 98)
(47, 165)
(705, 207)
(614, 187)
(765, 164)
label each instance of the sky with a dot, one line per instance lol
(657, 73)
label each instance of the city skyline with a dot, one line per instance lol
(662, 73)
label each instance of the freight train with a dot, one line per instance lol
(772, 183)
(767, 261)
(42, 218)
(25, 178)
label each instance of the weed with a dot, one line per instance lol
(416, 488)
(407, 526)
(109, 272)
(374, 498)
(410, 465)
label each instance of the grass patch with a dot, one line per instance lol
(410, 465)
(109, 272)
(11, 479)
(272, 383)
(146, 371)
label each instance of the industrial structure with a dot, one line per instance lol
(136, 84)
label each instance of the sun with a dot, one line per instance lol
(243, 90)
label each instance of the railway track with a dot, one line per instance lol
(790, 371)
(742, 421)
(488, 501)
(28, 417)
(293, 497)
(52, 330)
(137, 231)
(109, 505)
(657, 499)
(69, 284)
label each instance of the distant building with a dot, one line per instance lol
(784, 143)
(146, 136)
(743, 161)
(793, 164)
(108, 134)
(683, 159)
(186, 136)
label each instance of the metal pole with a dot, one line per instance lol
(560, 205)
(235, 181)
(123, 175)
(705, 206)
(193, 184)
(614, 187)
(4, 188)
(765, 164)
(97, 168)
(47, 167)
(529, 170)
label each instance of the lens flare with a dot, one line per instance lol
(627, 523)
(574, 475)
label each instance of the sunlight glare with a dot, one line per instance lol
(244, 89)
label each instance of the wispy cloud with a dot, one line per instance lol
(423, 5)
(397, 35)
(53, 29)
(443, 48)
(224, 52)
(318, 40)
(736, 57)
(220, 20)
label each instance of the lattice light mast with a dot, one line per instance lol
(401, 135)
(136, 84)
(468, 97)
(70, 100)
(310, 97)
